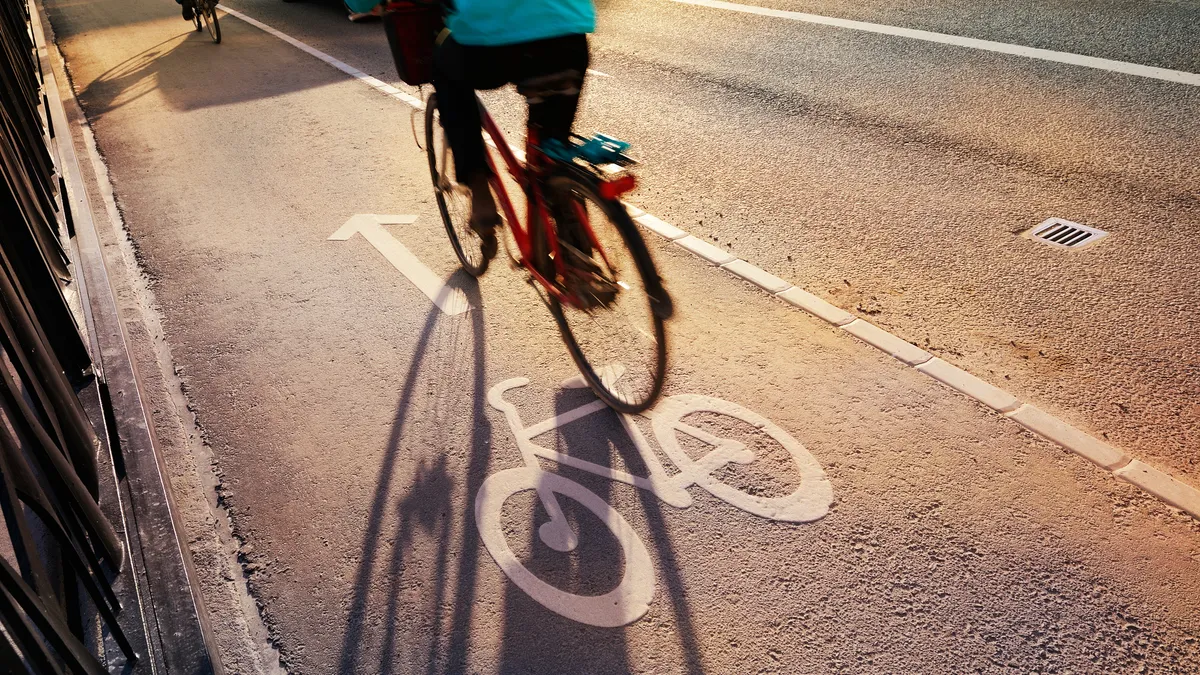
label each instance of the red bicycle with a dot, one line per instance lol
(579, 247)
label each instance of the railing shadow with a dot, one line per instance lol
(186, 70)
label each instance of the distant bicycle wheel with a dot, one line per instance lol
(453, 198)
(210, 19)
(615, 334)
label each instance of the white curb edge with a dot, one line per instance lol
(764, 280)
(662, 229)
(713, 254)
(816, 306)
(960, 380)
(1177, 494)
(1042, 424)
(1059, 432)
(884, 341)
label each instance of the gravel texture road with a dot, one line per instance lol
(349, 418)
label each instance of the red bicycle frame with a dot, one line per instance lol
(538, 215)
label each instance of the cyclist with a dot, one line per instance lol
(189, 9)
(491, 43)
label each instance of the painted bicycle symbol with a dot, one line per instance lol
(630, 600)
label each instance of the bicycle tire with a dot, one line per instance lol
(196, 18)
(470, 255)
(656, 309)
(623, 605)
(214, 26)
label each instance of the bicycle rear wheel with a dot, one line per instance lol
(619, 341)
(453, 198)
(210, 19)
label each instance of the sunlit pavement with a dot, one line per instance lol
(886, 523)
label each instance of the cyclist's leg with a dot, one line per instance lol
(553, 116)
(458, 71)
(189, 9)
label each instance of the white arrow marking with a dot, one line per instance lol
(450, 300)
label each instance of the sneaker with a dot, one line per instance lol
(486, 229)
(484, 218)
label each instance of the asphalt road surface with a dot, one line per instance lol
(893, 177)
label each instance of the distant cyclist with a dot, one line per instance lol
(492, 43)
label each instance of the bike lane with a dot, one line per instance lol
(893, 162)
(351, 421)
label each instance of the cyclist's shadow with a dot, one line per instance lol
(538, 640)
(437, 503)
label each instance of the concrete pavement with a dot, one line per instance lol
(350, 422)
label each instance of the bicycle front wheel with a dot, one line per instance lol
(616, 335)
(453, 198)
(210, 19)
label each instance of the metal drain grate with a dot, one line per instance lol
(1065, 234)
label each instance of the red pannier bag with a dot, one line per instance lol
(412, 28)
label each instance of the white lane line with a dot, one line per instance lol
(598, 73)
(1179, 76)
(450, 300)
(1040, 423)
(340, 65)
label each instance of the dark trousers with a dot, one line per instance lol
(459, 70)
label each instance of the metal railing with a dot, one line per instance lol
(75, 463)
(58, 538)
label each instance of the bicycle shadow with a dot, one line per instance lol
(412, 611)
(538, 640)
(426, 507)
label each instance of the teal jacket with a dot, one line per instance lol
(505, 22)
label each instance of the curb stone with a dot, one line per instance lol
(1060, 433)
(884, 341)
(1180, 495)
